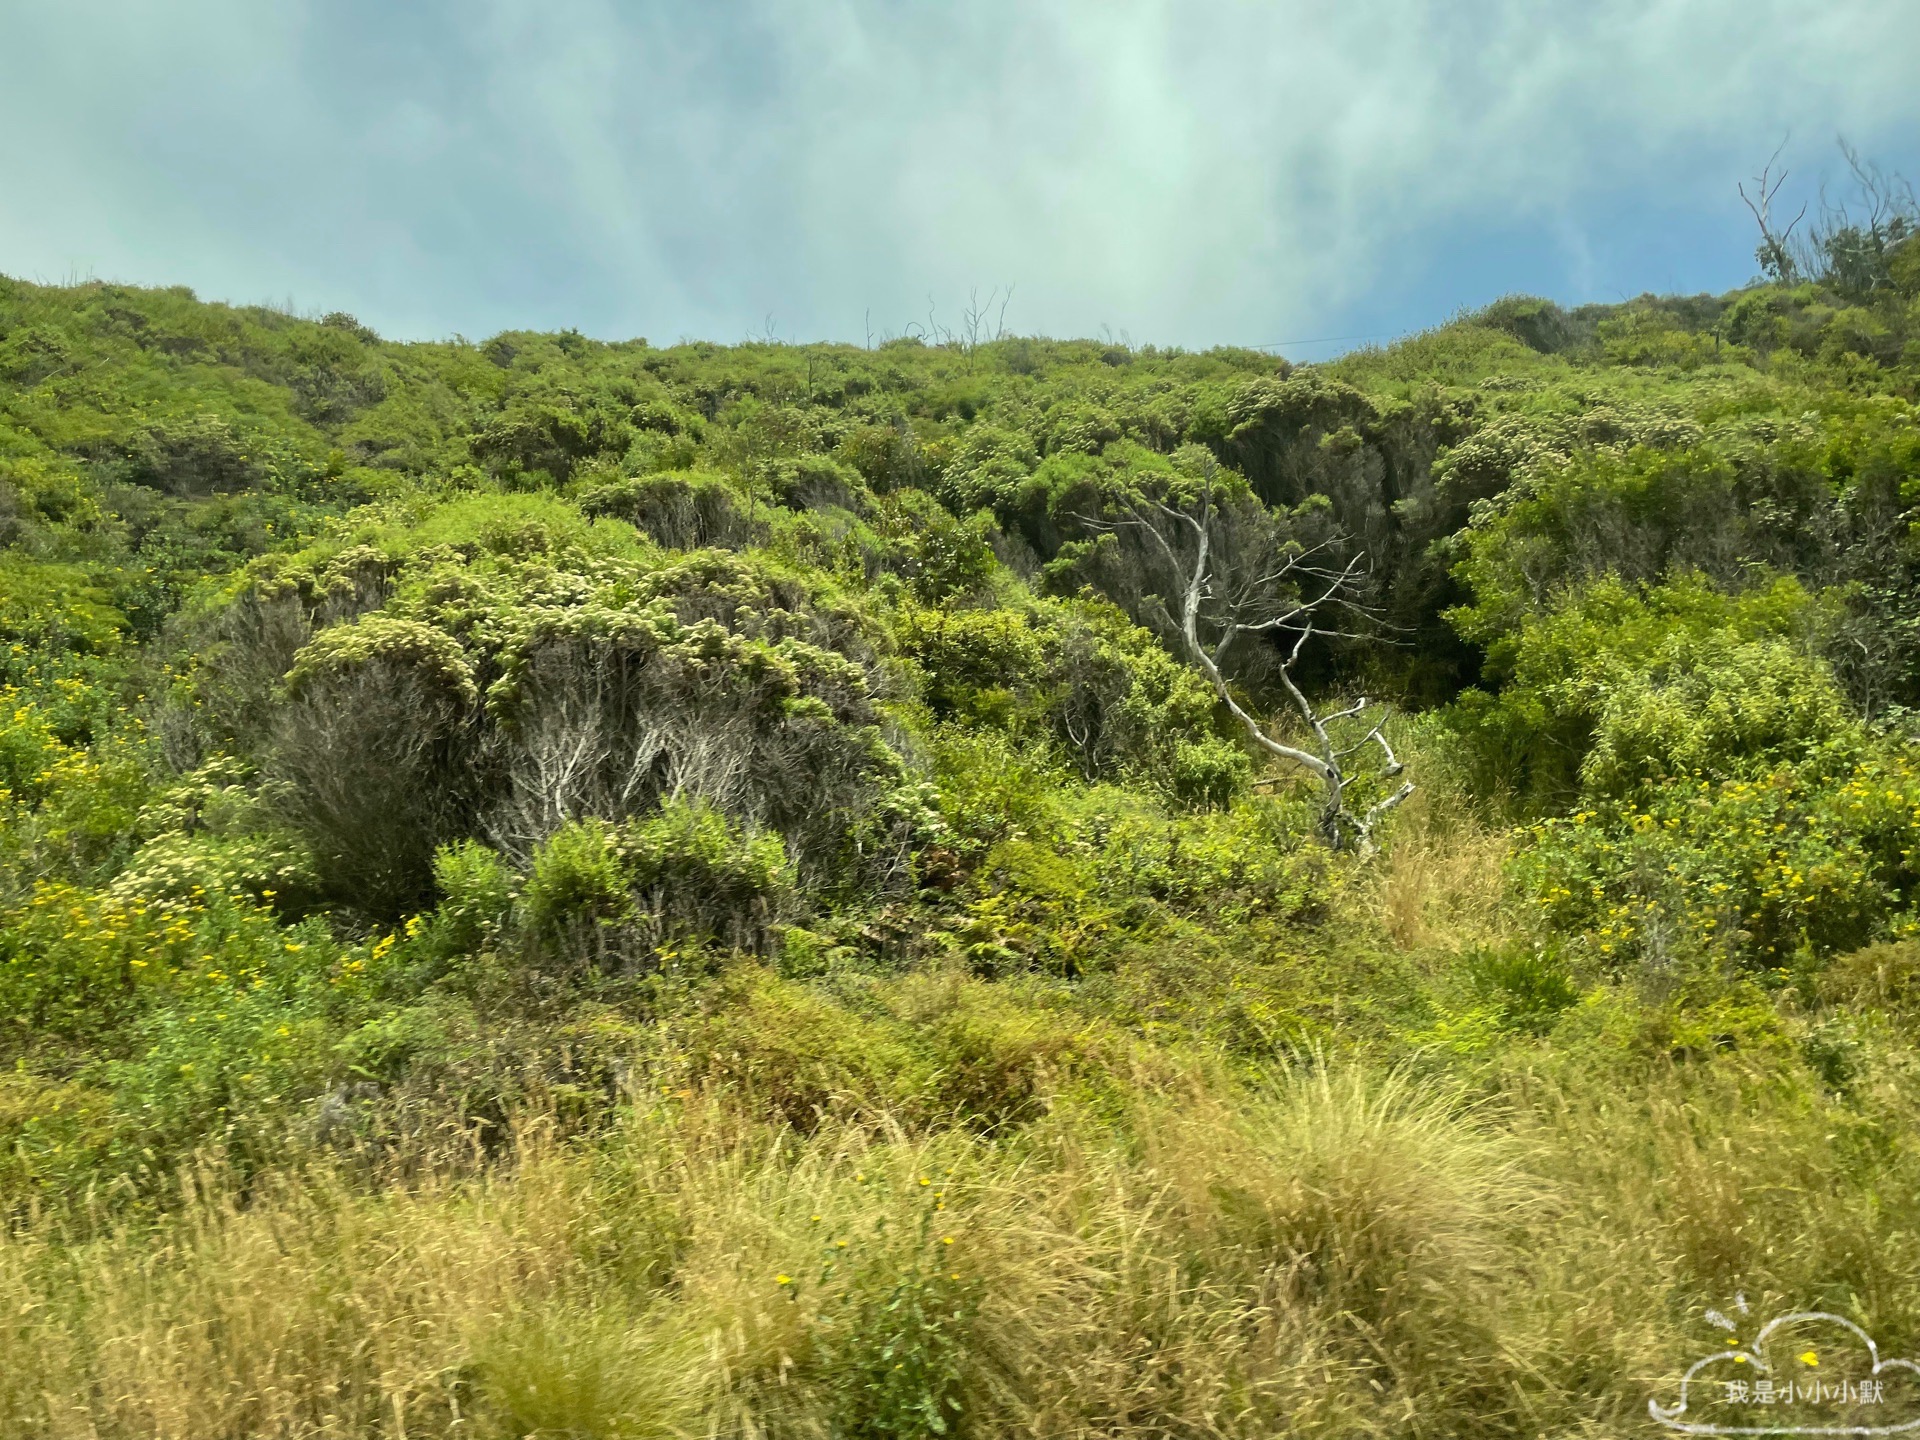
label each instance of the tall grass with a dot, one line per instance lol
(1342, 1252)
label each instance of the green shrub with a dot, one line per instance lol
(1208, 773)
(1886, 976)
(697, 877)
(477, 891)
(612, 897)
(578, 904)
(1538, 324)
(1650, 338)
(680, 511)
(1712, 707)
(1658, 675)
(370, 752)
(67, 810)
(797, 1057)
(275, 869)
(1077, 673)
(1761, 869)
(52, 609)
(1527, 988)
(197, 457)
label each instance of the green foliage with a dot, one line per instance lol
(1077, 674)
(614, 896)
(680, 511)
(412, 752)
(1761, 869)
(67, 809)
(1605, 688)
(53, 609)
(899, 1347)
(477, 889)
(1713, 707)
(1538, 324)
(1527, 989)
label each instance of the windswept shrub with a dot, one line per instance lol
(1538, 324)
(604, 711)
(681, 511)
(372, 753)
(197, 457)
(501, 670)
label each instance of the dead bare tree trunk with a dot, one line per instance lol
(1776, 252)
(1216, 607)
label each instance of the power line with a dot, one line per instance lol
(1331, 339)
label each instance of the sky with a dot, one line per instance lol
(1301, 174)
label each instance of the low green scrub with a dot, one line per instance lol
(556, 887)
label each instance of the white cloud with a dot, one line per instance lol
(1192, 172)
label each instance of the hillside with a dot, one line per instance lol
(551, 887)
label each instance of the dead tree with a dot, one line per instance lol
(1225, 590)
(1776, 250)
(978, 325)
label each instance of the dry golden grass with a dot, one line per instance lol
(1247, 1269)
(1345, 1253)
(1438, 884)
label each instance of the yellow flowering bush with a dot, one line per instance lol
(1759, 868)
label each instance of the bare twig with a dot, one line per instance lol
(1289, 596)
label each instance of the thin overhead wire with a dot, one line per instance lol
(1332, 339)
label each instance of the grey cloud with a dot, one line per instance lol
(1190, 172)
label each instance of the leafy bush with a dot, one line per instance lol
(1763, 869)
(51, 609)
(1078, 674)
(477, 890)
(1527, 988)
(680, 511)
(1625, 662)
(197, 457)
(612, 897)
(1538, 324)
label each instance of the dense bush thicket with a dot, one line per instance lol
(667, 793)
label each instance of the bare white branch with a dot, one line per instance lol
(1218, 602)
